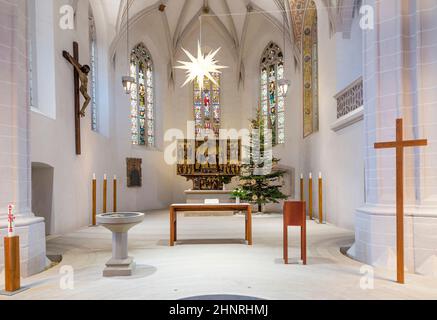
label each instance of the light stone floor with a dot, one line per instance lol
(216, 267)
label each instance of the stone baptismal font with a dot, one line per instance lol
(119, 224)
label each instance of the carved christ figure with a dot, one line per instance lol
(83, 72)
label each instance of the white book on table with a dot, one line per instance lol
(212, 201)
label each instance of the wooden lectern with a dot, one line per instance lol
(294, 215)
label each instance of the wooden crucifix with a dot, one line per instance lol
(400, 144)
(80, 75)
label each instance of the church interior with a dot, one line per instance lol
(218, 149)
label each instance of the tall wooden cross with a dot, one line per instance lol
(80, 87)
(400, 144)
(76, 101)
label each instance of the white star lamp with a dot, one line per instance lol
(202, 66)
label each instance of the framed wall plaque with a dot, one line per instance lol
(134, 172)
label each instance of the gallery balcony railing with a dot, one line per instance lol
(350, 98)
(350, 105)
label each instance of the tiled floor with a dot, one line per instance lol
(216, 266)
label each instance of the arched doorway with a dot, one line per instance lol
(42, 193)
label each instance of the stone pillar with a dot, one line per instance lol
(400, 81)
(15, 172)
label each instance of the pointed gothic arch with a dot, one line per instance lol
(272, 101)
(142, 97)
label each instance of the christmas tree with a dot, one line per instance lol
(260, 180)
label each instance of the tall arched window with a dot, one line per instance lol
(272, 101)
(93, 66)
(207, 107)
(41, 50)
(310, 71)
(142, 97)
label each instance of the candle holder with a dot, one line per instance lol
(94, 201)
(302, 195)
(12, 258)
(320, 199)
(12, 267)
(310, 196)
(114, 189)
(105, 193)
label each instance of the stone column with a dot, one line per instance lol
(15, 172)
(400, 81)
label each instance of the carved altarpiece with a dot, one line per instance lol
(208, 163)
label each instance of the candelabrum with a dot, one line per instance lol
(105, 197)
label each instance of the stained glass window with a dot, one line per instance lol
(207, 107)
(142, 97)
(93, 67)
(272, 100)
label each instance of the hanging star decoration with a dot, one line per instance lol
(200, 67)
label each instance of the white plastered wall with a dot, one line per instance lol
(52, 140)
(338, 155)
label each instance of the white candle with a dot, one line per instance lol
(94, 176)
(115, 177)
(105, 177)
(301, 175)
(311, 175)
(320, 175)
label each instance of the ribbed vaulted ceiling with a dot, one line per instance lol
(181, 14)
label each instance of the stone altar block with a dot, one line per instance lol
(199, 196)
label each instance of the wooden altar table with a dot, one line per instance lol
(175, 208)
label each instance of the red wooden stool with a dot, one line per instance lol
(294, 215)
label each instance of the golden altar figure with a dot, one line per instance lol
(209, 163)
